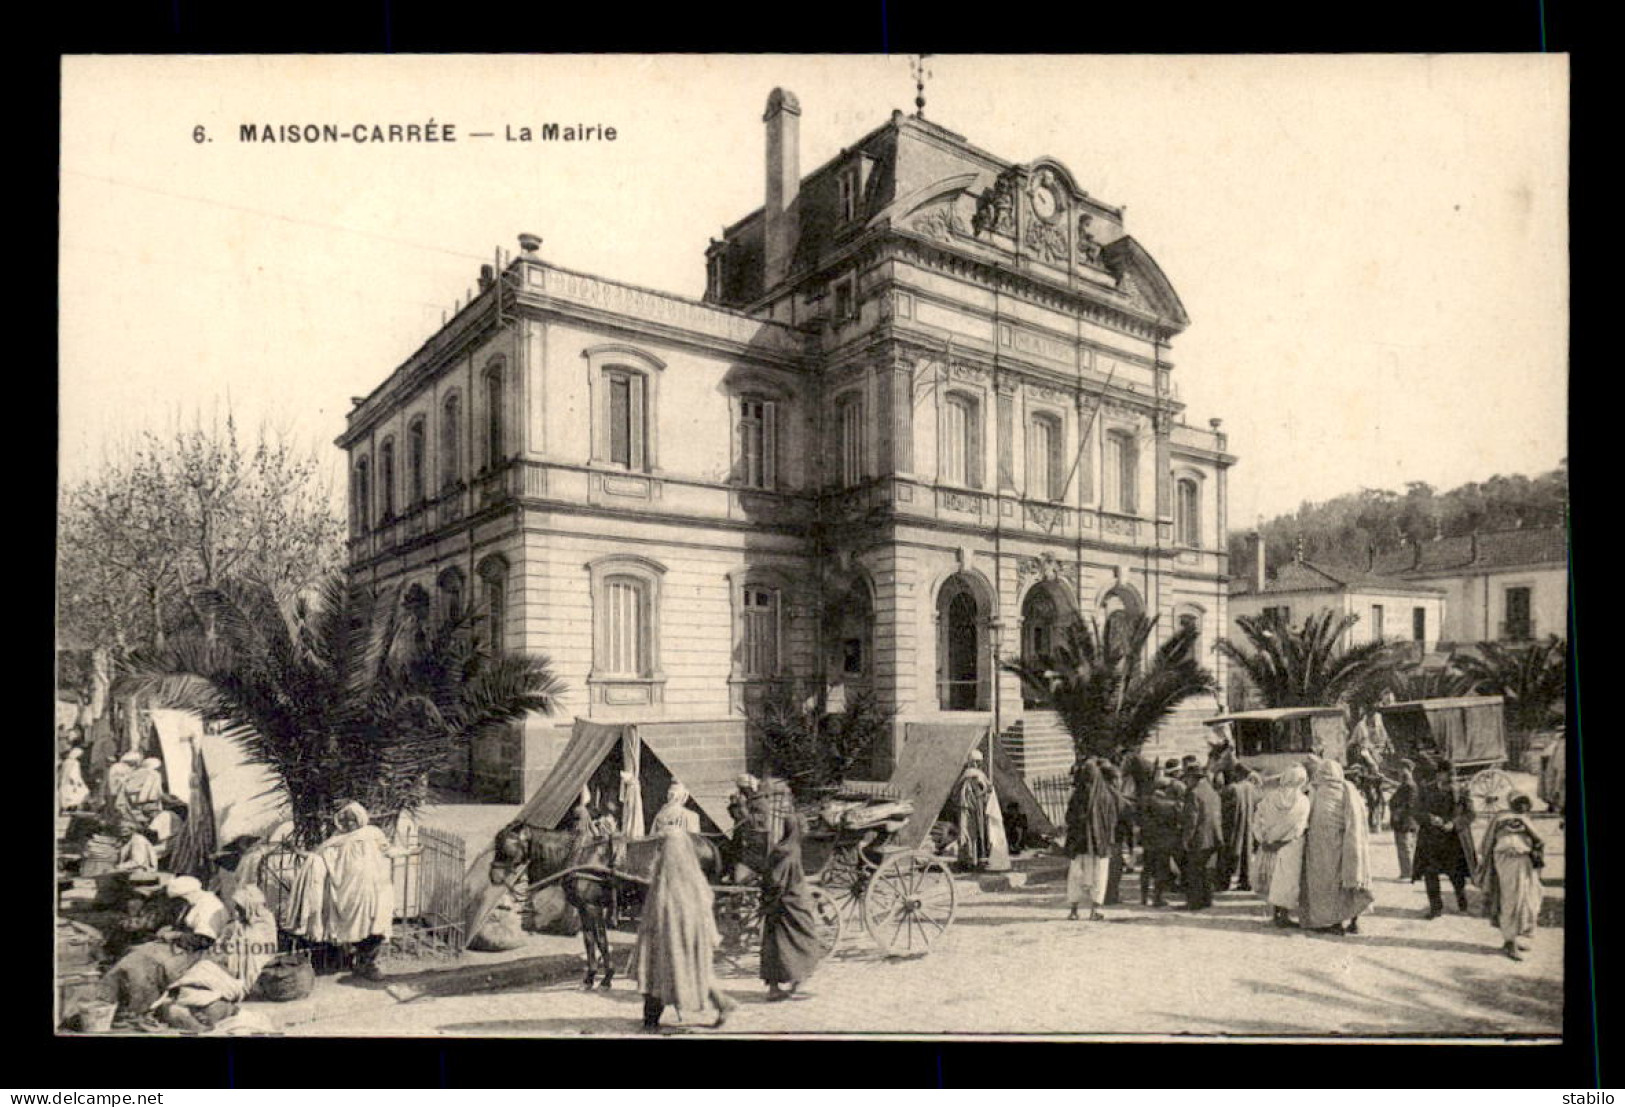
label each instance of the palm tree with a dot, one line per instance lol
(1307, 666)
(1108, 696)
(1531, 678)
(349, 698)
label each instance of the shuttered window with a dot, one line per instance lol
(451, 433)
(1044, 459)
(850, 413)
(962, 442)
(626, 432)
(625, 633)
(1122, 474)
(758, 442)
(1187, 507)
(760, 632)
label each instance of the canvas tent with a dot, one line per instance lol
(246, 798)
(594, 758)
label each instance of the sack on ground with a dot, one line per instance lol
(287, 977)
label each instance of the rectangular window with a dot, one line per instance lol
(845, 302)
(1519, 625)
(760, 646)
(1041, 482)
(626, 431)
(1122, 474)
(386, 478)
(962, 442)
(624, 635)
(1283, 613)
(851, 439)
(1187, 506)
(1419, 624)
(849, 195)
(758, 442)
(1376, 622)
(415, 458)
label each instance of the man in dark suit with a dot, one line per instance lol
(1203, 831)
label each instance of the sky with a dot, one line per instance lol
(1373, 251)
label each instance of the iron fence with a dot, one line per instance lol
(429, 894)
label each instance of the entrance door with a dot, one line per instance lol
(962, 660)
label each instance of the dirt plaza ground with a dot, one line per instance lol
(1012, 964)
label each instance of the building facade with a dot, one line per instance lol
(923, 417)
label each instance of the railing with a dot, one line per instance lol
(959, 695)
(429, 895)
(1053, 793)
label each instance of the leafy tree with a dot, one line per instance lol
(1308, 666)
(341, 699)
(812, 748)
(1109, 697)
(1413, 682)
(177, 513)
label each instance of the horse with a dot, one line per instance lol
(529, 854)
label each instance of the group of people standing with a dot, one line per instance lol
(677, 934)
(1300, 840)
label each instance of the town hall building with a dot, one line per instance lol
(923, 417)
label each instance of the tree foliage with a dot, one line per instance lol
(1110, 697)
(1308, 666)
(814, 749)
(345, 698)
(178, 513)
(1531, 678)
(1349, 529)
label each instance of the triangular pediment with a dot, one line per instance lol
(1144, 281)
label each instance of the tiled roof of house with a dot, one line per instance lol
(1311, 576)
(1494, 550)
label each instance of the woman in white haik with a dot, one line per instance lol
(1279, 823)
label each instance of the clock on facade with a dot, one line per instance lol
(1045, 204)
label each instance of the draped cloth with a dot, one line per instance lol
(677, 933)
(790, 945)
(1279, 821)
(1238, 843)
(250, 939)
(345, 891)
(676, 813)
(1337, 851)
(71, 789)
(1092, 814)
(971, 796)
(1506, 872)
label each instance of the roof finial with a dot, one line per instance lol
(920, 75)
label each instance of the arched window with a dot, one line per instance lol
(1187, 512)
(494, 579)
(626, 630)
(758, 441)
(386, 478)
(451, 432)
(962, 660)
(624, 382)
(1044, 475)
(1122, 465)
(962, 441)
(450, 584)
(416, 458)
(363, 496)
(495, 430)
(849, 428)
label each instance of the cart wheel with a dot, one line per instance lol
(1489, 789)
(739, 926)
(828, 920)
(844, 879)
(909, 903)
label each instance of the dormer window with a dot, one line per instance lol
(848, 184)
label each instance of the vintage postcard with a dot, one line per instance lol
(1049, 546)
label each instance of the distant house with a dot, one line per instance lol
(1390, 608)
(1500, 586)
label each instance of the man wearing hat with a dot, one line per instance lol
(1402, 817)
(1203, 831)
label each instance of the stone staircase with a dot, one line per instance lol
(1183, 732)
(1038, 744)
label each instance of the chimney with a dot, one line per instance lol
(1255, 540)
(487, 277)
(1416, 554)
(780, 215)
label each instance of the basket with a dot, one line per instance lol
(96, 1016)
(287, 977)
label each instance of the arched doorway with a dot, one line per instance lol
(1122, 608)
(961, 646)
(1046, 614)
(849, 630)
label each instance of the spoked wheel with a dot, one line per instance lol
(1490, 789)
(739, 926)
(843, 882)
(828, 921)
(909, 903)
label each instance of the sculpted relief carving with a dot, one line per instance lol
(996, 207)
(942, 222)
(1088, 246)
